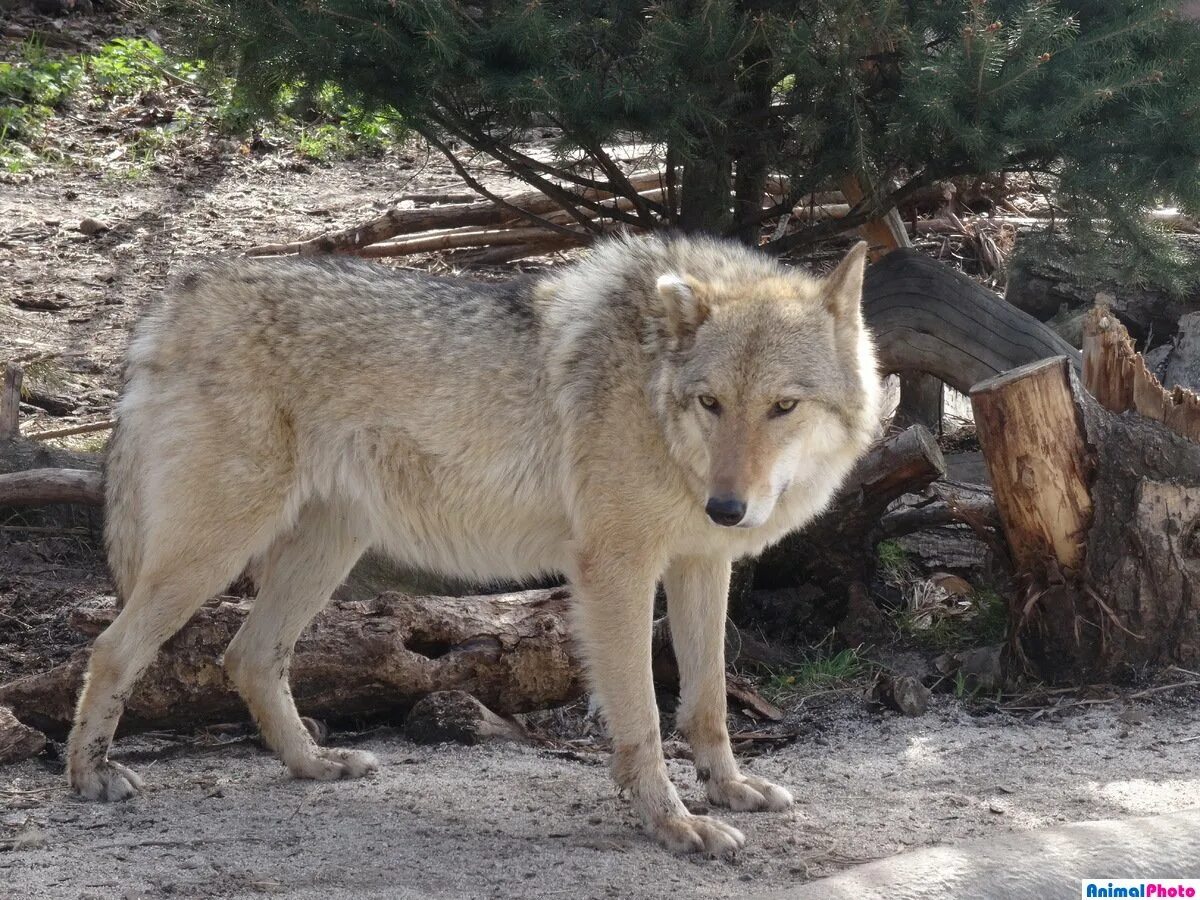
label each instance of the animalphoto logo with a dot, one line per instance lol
(1139, 887)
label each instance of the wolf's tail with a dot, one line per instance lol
(123, 536)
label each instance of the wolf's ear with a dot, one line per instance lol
(843, 286)
(685, 309)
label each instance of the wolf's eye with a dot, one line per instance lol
(709, 402)
(783, 407)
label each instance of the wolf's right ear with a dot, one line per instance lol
(843, 286)
(683, 306)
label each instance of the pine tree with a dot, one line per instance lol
(1097, 100)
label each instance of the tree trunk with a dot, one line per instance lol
(1102, 511)
(704, 204)
(921, 402)
(750, 178)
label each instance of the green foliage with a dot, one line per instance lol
(894, 564)
(130, 66)
(30, 90)
(319, 122)
(981, 622)
(822, 671)
(1099, 99)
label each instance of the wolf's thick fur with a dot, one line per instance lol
(292, 414)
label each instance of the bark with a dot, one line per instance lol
(511, 651)
(35, 487)
(1116, 375)
(1112, 569)
(704, 201)
(926, 317)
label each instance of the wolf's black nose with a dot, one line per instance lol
(725, 510)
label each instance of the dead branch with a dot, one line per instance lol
(85, 428)
(10, 402)
(35, 487)
(507, 210)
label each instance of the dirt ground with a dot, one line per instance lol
(442, 822)
(502, 821)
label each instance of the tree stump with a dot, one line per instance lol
(1101, 508)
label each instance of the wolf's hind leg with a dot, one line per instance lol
(697, 591)
(176, 577)
(301, 570)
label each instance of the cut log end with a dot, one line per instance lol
(1033, 441)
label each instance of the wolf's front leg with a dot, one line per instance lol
(614, 616)
(697, 595)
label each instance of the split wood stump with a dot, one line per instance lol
(1098, 490)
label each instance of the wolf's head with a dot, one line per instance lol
(769, 382)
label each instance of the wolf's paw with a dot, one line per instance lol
(698, 834)
(109, 782)
(745, 793)
(330, 765)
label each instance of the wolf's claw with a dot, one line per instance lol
(748, 794)
(109, 782)
(331, 765)
(698, 834)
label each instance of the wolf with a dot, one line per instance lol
(650, 413)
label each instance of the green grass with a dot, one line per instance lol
(895, 567)
(983, 622)
(822, 672)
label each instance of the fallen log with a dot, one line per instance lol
(1102, 513)
(511, 651)
(35, 487)
(926, 317)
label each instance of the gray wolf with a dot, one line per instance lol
(648, 414)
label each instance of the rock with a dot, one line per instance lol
(92, 227)
(902, 693)
(980, 668)
(456, 716)
(17, 741)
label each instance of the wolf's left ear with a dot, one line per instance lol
(843, 286)
(685, 309)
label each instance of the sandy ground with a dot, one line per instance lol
(444, 822)
(509, 822)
